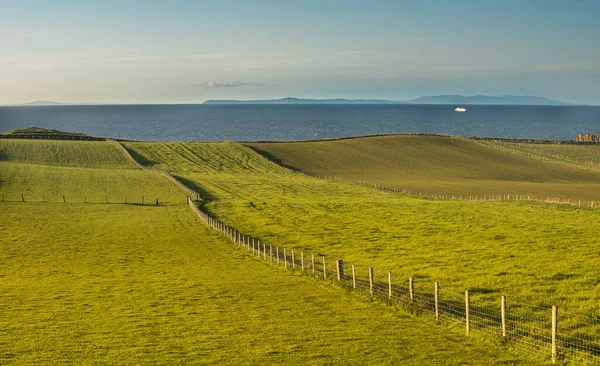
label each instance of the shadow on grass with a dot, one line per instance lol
(270, 157)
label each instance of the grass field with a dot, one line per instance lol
(584, 154)
(531, 252)
(139, 285)
(78, 170)
(79, 154)
(434, 164)
(132, 284)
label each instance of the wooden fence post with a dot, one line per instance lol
(503, 314)
(554, 333)
(467, 312)
(258, 248)
(277, 256)
(293, 260)
(22, 197)
(284, 258)
(339, 265)
(353, 277)
(64, 199)
(253, 247)
(302, 260)
(437, 300)
(313, 264)
(324, 269)
(390, 285)
(264, 251)
(271, 251)
(371, 275)
(411, 289)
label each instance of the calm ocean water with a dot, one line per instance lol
(303, 122)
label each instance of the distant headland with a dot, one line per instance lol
(435, 99)
(290, 100)
(459, 100)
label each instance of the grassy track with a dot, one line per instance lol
(77, 170)
(434, 164)
(538, 253)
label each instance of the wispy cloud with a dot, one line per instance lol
(233, 84)
(355, 52)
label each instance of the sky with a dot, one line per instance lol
(190, 51)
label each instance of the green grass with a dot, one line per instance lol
(131, 284)
(80, 171)
(584, 154)
(124, 284)
(88, 154)
(434, 164)
(531, 252)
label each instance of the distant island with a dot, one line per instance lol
(290, 100)
(458, 100)
(436, 99)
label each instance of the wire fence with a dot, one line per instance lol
(558, 336)
(575, 339)
(562, 337)
(456, 197)
(534, 154)
(79, 198)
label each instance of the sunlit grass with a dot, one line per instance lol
(80, 171)
(88, 154)
(531, 252)
(90, 283)
(434, 164)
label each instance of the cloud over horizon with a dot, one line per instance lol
(233, 84)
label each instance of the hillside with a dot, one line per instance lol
(89, 171)
(81, 154)
(492, 247)
(434, 164)
(90, 283)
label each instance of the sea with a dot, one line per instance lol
(259, 122)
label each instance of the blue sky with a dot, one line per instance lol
(190, 51)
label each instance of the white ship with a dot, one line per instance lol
(460, 109)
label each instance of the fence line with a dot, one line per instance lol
(522, 326)
(56, 198)
(556, 336)
(527, 153)
(576, 338)
(452, 197)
